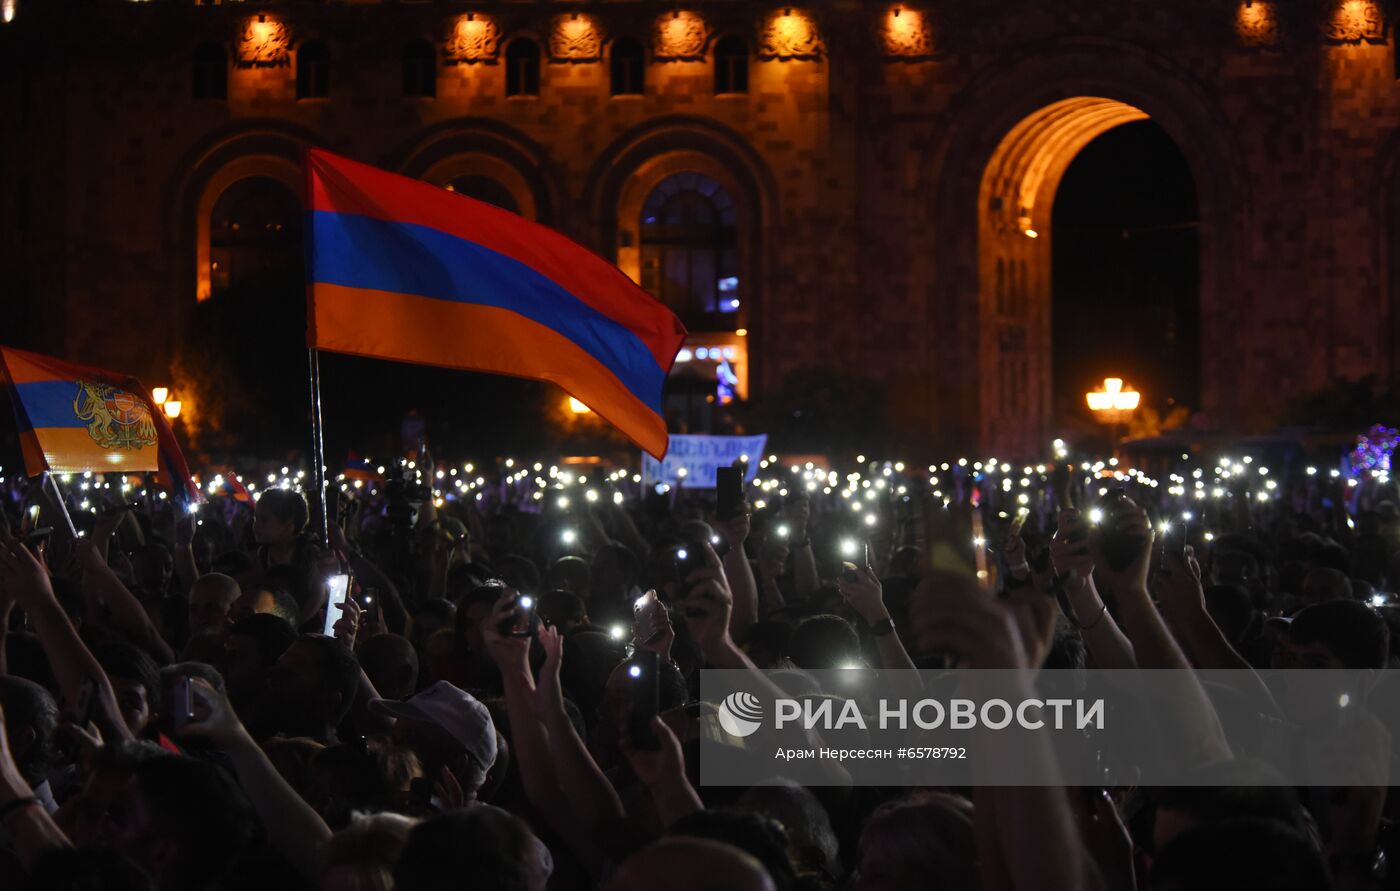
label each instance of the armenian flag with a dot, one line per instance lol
(74, 418)
(358, 468)
(232, 487)
(400, 269)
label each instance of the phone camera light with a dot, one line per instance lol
(617, 632)
(635, 671)
(848, 548)
(682, 554)
(568, 536)
(527, 601)
(783, 531)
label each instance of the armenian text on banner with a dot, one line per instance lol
(699, 456)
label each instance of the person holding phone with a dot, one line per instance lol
(862, 591)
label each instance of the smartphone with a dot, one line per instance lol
(644, 700)
(87, 703)
(369, 601)
(30, 519)
(646, 613)
(337, 589)
(184, 703)
(687, 558)
(850, 571)
(34, 536)
(720, 544)
(1017, 522)
(523, 616)
(729, 493)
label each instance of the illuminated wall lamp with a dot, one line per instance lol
(172, 408)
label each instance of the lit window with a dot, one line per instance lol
(690, 256)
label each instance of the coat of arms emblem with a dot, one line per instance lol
(117, 419)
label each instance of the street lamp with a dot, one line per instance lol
(1113, 405)
(160, 394)
(172, 408)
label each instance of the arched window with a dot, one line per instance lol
(522, 67)
(254, 235)
(485, 188)
(313, 70)
(629, 67)
(690, 256)
(419, 69)
(731, 65)
(210, 72)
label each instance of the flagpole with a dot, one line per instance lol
(318, 446)
(62, 507)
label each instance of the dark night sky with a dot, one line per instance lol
(1125, 271)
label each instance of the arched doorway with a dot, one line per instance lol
(1010, 140)
(1126, 279)
(1015, 236)
(254, 236)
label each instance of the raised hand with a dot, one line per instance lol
(1069, 549)
(708, 602)
(865, 595)
(506, 650)
(1013, 551)
(664, 765)
(214, 718)
(347, 627)
(23, 576)
(651, 627)
(799, 512)
(1132, 533)
(549, 696)
(772, 558)
(1178, 585)
(736, 529)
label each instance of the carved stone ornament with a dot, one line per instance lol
(1256, 22)
(790, 33)
(1355, 21)
(679, 36)
(264, 43)
(472, 38)
(905, 33)
(575, 38)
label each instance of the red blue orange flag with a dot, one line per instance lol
(400, 269)
(358, 468)
(74, 418)
(232, 487)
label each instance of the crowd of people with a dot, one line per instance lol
(179, 712)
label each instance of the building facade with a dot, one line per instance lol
(859, 186)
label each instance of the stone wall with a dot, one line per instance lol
(859, 152)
